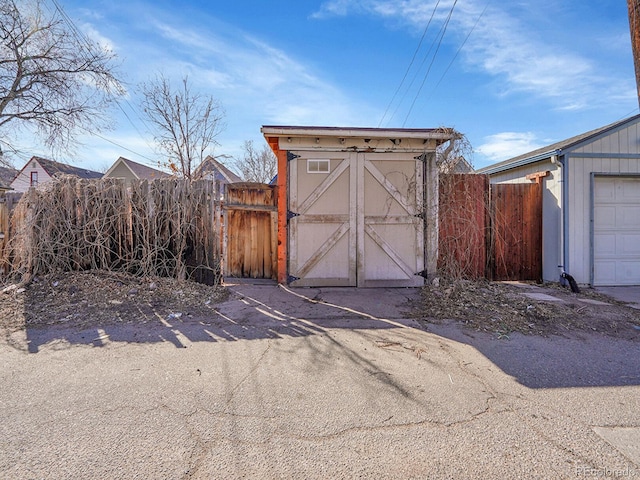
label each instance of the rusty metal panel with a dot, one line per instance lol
(463, 225)
(516, 240)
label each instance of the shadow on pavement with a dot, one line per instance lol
(252, 312)
(270, 312)
(579, 360)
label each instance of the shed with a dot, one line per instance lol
(356, 206)
(591, 202)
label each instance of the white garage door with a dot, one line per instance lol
(616, 231)
(355, 219)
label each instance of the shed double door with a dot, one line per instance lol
(356, 219)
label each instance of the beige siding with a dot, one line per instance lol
(122, 171)
(22, 182)
(579, 199)
(623, 141)
(551, 211)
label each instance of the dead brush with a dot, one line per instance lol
(166, 228)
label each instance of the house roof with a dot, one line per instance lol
(7, 174)
(142, 172)
(211, 165)
(53, 168)
(554, 148)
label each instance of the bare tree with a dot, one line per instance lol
(256, 165)
(455, 156)
(53, 79)
(186, 123)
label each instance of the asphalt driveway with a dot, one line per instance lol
(315, 383)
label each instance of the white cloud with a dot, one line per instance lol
(502, 146)
(506, 47)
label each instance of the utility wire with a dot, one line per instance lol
(87, 46)
(461, 47)
(419, 69)
(155, 161)
(406, 73)
(424, 79)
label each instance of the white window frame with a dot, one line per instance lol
(322, 165)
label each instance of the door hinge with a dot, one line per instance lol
(423, 274)
(291, 156)
(291, 214)
(421, 215)
(291, 278)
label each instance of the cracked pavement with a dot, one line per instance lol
(315, 383)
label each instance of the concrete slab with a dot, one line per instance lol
(590, 301)
(630, 294)
(542, 297)
(625, 439)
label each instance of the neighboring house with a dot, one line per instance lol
(39, 171)
(591, 202)
(7, 174)
(212, 169)
(130, 170)
(460, 165)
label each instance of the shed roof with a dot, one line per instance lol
(7, 174)
(555, 148)
(442, 133)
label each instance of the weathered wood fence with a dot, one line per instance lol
(489, 231)
(7, 202)
(161, 228)
(250, 230)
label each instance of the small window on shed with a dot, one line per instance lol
(318, 166)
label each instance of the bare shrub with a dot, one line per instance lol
(166, 228)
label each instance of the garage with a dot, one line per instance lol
(353, 205)
(616, 230)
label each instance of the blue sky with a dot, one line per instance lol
(512, 76)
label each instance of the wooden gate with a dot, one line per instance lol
(250, 227)
(516, 233)
(492, 231)
(356, 219)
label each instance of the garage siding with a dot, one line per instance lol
(616, 231)
(580, 198)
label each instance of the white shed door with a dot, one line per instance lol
(353, 219)
(616, 231)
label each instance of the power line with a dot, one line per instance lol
(461, 46)
(87, 46)
(440, 34)
(444, 30)
(118, 145)
(415, 54)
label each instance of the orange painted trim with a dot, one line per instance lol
(281, 155)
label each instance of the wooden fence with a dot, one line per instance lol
(250, 230)
(165, 228)
(516, 233)
(8, 200)
(489, 231)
